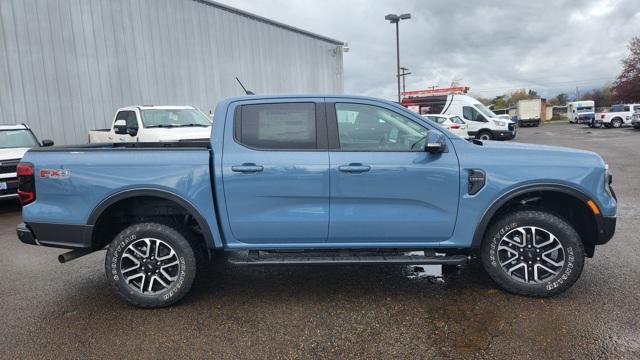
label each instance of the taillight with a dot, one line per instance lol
(602, 116)
(454, 126)
(26, 183)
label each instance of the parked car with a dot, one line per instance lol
(635, 120)
(153, 124)
(319, 180)
(15, 140)
(451, 122)
(619, 116)
(481, 122)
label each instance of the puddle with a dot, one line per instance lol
(434, 274)
(431, 273)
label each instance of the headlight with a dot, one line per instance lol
(500, 123)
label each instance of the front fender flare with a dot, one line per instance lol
(513, 193)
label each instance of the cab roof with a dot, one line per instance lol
(157, 107)
(14, 127)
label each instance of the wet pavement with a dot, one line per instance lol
(50, 310)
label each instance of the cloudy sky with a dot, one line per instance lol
(492, 46)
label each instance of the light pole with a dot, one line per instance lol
(395, 19)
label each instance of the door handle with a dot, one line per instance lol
(354, 168)
(247, 168)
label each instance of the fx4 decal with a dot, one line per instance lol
(55, 173)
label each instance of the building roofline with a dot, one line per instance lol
(268, 21)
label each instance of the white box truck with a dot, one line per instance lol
(530, 112)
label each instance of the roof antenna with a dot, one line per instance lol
(248, 92)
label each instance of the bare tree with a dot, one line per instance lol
(627, 85)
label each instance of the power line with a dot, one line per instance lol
(543, 85)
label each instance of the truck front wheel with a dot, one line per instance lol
(533, 253)
(484, 135)
(150, 265)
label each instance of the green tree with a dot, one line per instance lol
(499, 102)
(562, 98)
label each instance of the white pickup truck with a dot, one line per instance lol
(619, 115)
(154, 124)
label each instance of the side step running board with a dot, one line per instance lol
(259, 258)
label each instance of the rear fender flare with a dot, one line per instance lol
(150, 192)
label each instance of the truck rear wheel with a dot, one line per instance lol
(533, 253)
(150, 265)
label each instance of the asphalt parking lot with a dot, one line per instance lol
(50, 310)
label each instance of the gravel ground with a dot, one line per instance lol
(50, 310)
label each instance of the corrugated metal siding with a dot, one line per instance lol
(67, 65)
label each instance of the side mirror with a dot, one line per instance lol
(132, 131)
(120, 127)
(47, 142)
(435, 143)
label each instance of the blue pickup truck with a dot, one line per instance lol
(318, 180)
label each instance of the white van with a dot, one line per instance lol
(482, 123)
(581, 112)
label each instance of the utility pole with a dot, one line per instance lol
(403, 74)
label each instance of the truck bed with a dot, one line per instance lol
(188, 145)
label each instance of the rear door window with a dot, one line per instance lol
(286, 126)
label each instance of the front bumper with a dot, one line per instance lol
(9, 188)
(504, 134)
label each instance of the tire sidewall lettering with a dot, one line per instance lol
(493, 245)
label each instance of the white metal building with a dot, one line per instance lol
(66, 66)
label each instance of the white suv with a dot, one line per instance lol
(453, 123)
(15, 140)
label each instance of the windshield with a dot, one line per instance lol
(20, 138)
(173, 118)
(585, 109)
(485, 111)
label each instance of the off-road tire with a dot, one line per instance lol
(567, 275)
(170, 235)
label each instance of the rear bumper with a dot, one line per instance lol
(56, 235)
(26, 235)
(606, 229)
